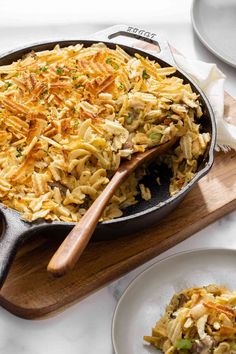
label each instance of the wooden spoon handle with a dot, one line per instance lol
(72, 247)
(74, 244)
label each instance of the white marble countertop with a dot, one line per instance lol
(85, 327)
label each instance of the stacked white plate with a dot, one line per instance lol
(214, 22)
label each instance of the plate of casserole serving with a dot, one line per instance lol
(185, 303)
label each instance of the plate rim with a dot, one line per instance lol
(134, 281)
(204, 41)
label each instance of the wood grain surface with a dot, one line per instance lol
(31, 292)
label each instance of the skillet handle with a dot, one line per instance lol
(11, 236)
(123, 33)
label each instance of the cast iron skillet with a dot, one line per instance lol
(145, 213)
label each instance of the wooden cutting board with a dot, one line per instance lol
(30, 292)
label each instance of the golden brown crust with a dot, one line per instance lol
(70, 115)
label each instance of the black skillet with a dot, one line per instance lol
(137, 217)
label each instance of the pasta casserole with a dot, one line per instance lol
(198, 320)
(68, 117)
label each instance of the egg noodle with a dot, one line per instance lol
(198, 320)
(68, 116)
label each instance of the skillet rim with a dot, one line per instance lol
(211, 117)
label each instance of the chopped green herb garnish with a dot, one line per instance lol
(8, 84)
(115, 65)
(78, 85)
(184, 344)
(145, 75)
(108, 61)
(59, 71)
(155, 136)
(76, 125)
(74, 77)
(19, 152)
(43, 68)
(129, 119)
(45, 92)
(120, 86)
(73, 109)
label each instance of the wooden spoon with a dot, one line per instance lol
(74, 244)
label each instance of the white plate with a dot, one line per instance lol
(145, 299)
(214, 21)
